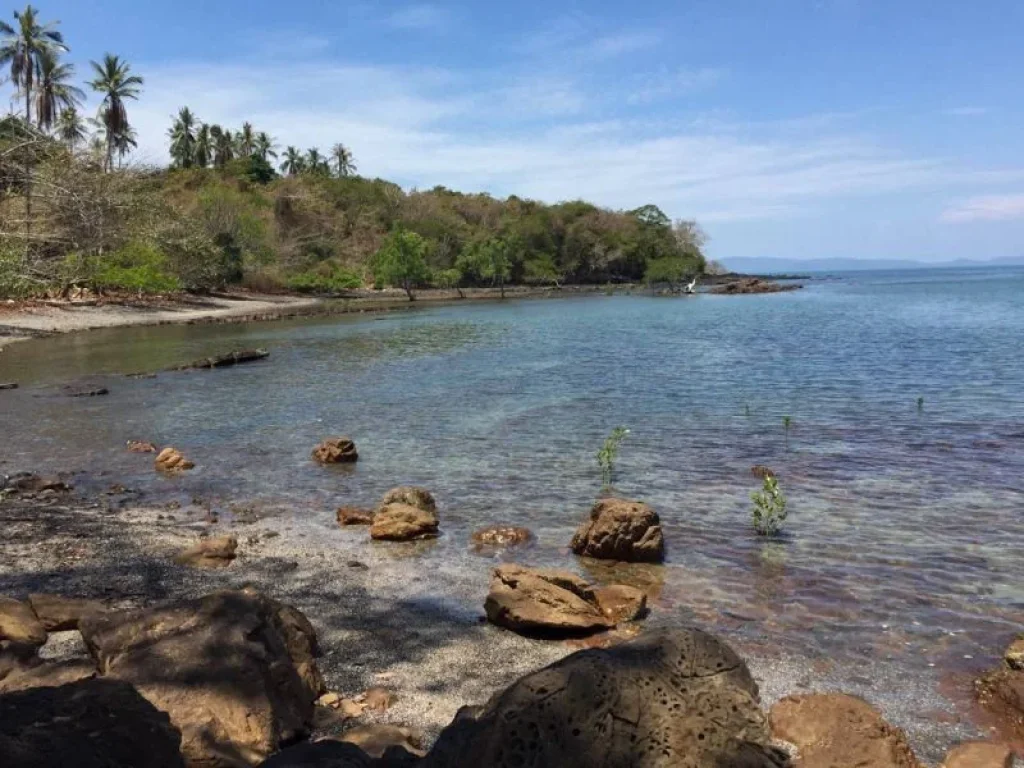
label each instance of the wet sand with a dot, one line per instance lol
(382, 619)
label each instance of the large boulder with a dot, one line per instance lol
(336, 450)
(88, 724)
(551, 602)
(669, 698)
(228, 668)
(402, 522)
(21, 632)
(35, 673)
(215, 552)
(618, 529)
(411, 495)
(834, 729)
(59, 614)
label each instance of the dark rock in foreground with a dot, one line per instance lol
(88, 724)
(618, 529)
(670, 698)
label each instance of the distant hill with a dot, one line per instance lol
(777, 265)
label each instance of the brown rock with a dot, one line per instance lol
(336, 450)
(543, 600)
(414, 497)
(48, 674)
(667, 699)
(835, 729)
(1001, 693)
(401, 522)
(1014, 656)
(761, 471)
(137, 446)
(379, 699)
(979, 754)
(216, 552)
(501, 536)
(87, 724)
(354, 516)
(224, 667)
(377, 738)
(621, 530)
(172, 460)
(20, 628)
(621, 603)
(59, 614)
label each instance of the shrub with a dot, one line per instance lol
(194, 258)
(140, 267)
(769, 511)
(325, 278)
(401, 261)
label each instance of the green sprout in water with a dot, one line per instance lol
(608, 453)
(769, 511)
(786, 423)
(746, 410)
(920, 403)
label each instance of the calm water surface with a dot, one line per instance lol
(906, 535)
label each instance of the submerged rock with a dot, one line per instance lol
(172, 460)
(548, 601)
(336, 450)
(8, 385)
(222, 361)
(755, 285)
(501, 536)
(86, 724)
(29, 482)
(234, 670)
(218, 552)
(354, 516)
(402, 522)
(833, 729)
(138, 446)
(618, 529)
(411, 495)
(669, 698)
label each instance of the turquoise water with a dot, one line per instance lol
(906, 532)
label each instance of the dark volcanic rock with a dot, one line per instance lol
(88, 724)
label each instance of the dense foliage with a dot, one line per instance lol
(231, 210)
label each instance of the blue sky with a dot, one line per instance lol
(794, 128)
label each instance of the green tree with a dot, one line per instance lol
(344, 164)
(652, 216)
(23, 47)
(669, 269)
(54, 92)
(265, 147)
(401, 261)
(183, 139)
(489, 259)
(203, 150)
(223, 146)
(316, 163)
(114, 80)
(71, 128)
(246, 140)
(294, 163)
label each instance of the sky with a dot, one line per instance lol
(787, 128)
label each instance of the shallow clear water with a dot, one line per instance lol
(906, 534)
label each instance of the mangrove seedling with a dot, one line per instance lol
(769, 511)
(920, 403)
(746, 410)
(786, 422)
(608, 453)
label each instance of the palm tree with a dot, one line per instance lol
(22, 47)
(124, 143)
(294, 163)
(315, 162)
(246, 140)
(183, 138)
(115, 81)
(343, 160)
(265, 147)
(204, 146)
(71, 128)
(223, 146)
(53, 91)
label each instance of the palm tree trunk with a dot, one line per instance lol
(28, 103)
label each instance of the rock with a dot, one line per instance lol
(354, 516)
(621, 603)
(377, 738)
(669, 698)
(501, 536)
(336, 450)
(621, 530)
(86, 390)
(543, 601)
(222, 361)
(420, 498)
(321, 754)
(225, 667)
(755, 285)
(401, 522)
(9, 385)
(172, 460)
(21, 632)
(28, 482)
(761, 471)
(216, 552)
(979, 754)
(59, 614)
(1014, 656)
(47, 673)
(834, 729)
(137, 446)
(1001, 693)
(378, 699)
(87, 724)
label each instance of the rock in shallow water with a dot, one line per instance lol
(354, 516)
(500, 537)
(336, 450)
(618, 529)
(172, 460)
(420, 498)
(402, 522)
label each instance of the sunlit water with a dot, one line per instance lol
(906, 534)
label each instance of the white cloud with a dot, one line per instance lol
(655, 87)
(965, 111)
(420, 16)
(986, 208)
